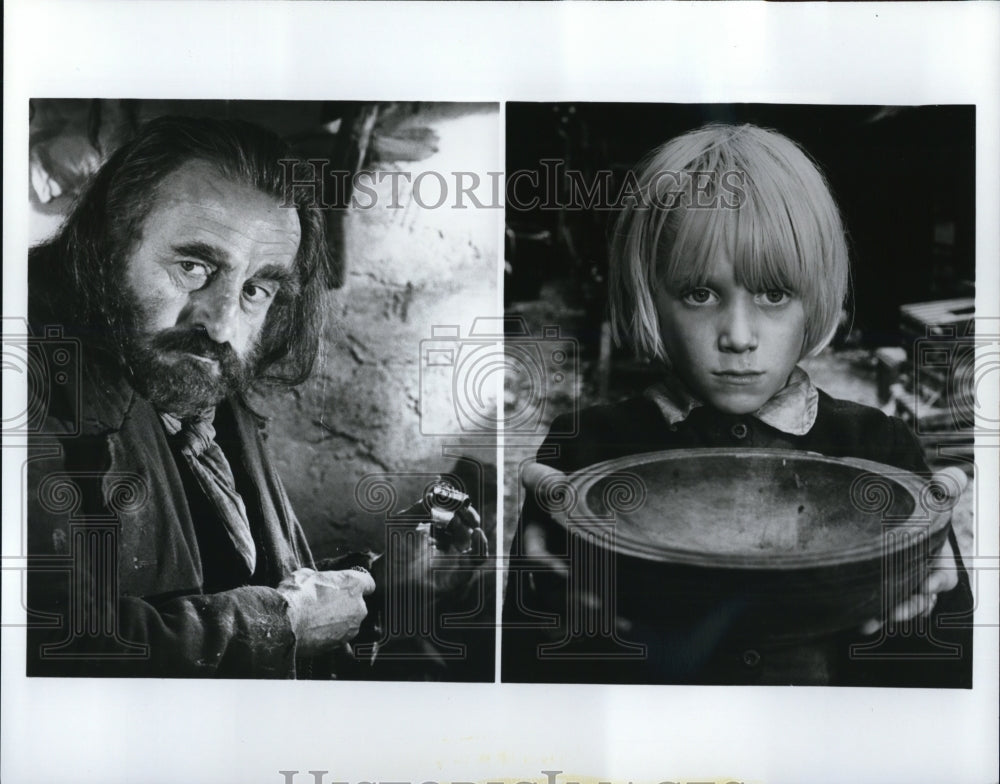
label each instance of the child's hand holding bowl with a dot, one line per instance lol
(943, 576)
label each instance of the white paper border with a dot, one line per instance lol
(138, 731)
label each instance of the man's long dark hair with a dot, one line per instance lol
(77, 277)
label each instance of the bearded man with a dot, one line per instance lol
(161, 540)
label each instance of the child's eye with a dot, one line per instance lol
(699, 296)
(773, 297)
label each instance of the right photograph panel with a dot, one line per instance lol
(740, 366)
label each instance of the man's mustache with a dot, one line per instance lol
(196, 342)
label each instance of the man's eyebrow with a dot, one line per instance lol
(203, 252)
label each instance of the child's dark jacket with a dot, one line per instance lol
(701, 655)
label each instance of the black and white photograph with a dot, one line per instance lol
(769, 317)
(239, 467)
(500, 393)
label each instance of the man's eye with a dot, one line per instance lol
(194, 269)
(257, 294)
(773, 297)
(699, 296)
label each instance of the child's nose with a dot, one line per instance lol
(738, 331)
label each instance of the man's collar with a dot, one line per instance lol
(792, 410)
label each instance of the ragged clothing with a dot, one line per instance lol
(131, 571)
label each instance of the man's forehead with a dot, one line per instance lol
(197, 198)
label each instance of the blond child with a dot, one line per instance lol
(728, 266)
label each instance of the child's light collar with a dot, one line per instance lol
(792, 410)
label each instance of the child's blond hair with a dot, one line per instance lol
(752, 189)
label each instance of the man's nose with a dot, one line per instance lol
(738, 330)
(217, 310)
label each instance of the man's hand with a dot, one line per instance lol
(325, 608)
(445, 567)
(944, 575)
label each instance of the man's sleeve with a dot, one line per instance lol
(238, 633)
(79, 624)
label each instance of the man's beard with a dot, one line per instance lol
(167, 371)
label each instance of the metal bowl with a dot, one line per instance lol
(792, 545)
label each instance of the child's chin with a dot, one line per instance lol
(736, 403)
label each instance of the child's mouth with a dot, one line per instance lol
(738, 377)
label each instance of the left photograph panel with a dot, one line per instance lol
(262, 346)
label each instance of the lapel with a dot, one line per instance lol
(158, 548)
(281, 545)
(158, 553)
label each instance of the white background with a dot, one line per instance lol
(167, 731)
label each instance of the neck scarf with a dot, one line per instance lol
(211, 469)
